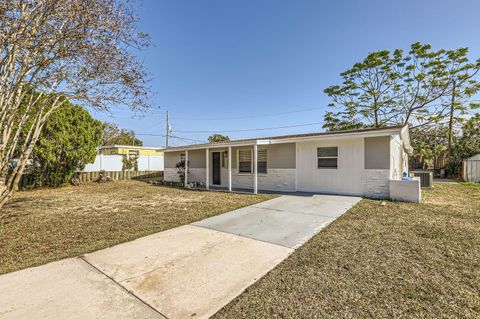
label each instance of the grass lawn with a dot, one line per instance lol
(40, 226)
(383, 261)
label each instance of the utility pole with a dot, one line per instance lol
(167, 131)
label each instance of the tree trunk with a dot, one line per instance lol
(450, 123)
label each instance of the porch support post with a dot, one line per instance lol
(207, 168)
(186, 168)
(255, 173)
(229, 168)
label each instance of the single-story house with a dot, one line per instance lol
(353, 162)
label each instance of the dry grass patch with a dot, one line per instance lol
(381, 261)
(50, 224)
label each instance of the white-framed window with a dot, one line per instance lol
(327, 157)
(245, 161)
(245, 164)
(262, 161)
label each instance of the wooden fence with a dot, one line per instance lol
(27, 181)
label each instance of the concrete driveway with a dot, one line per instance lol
(186, 272)
(287, 221)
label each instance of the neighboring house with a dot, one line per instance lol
(355, 162)
(129, 150)
(110, 158)
(471, 169)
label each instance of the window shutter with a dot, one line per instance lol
(245, 155)
(262, 161)
(244, 161)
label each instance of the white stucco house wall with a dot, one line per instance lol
(356, 162)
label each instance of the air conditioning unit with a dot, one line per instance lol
(426, 177)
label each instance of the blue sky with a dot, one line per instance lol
(220, 65)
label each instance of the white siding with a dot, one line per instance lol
(346, 179)
(396, 157)
(351, 177)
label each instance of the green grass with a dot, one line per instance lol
(380, 260)
(40, 226)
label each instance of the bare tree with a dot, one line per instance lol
(54, 50)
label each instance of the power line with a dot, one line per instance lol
(253, 129)
(246, 116)
(170, 135)
(186, 139)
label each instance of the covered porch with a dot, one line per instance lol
(218, 167)
(247, 166)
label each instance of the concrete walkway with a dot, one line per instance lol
(186, 272)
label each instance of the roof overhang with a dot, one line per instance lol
(400, 130)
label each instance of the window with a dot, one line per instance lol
(262, 161)
(244, 161)
(327, 157)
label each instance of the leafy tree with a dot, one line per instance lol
(67, 142)
(426, 89)
(113, 135)
(367, 93)
(216, 138)
(467, 144)
(180, 166)
(129, 163)
(429, 146)
(463, 84)
(424, 81)
(470, 140)
(76, 50)
(397, 88)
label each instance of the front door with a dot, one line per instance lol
(216, 168)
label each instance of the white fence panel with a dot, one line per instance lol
(471, 171)
(150, 163)
(106, 163)
(114, 163)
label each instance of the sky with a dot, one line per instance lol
(225, 65)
